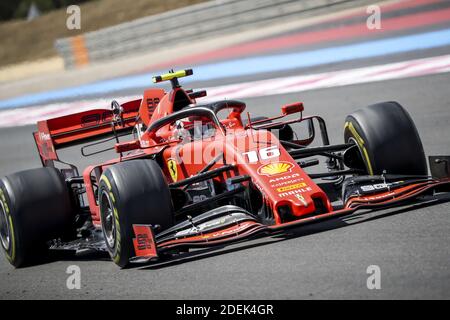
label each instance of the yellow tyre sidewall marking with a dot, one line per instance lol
(361, 144)
(116, 257)
(11, 257)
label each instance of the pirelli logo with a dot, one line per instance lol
(292, 187)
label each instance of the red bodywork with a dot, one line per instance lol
(281, 181)
(279, 188)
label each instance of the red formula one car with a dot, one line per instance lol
(198, 175)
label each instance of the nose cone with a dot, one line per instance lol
(288, 189)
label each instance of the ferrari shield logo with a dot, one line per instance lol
(172, 165)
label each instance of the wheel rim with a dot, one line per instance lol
(5, 228)
(109, 222)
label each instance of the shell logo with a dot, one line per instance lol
(272, 169)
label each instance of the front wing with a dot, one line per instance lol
(230, 224)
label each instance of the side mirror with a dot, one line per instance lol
(127, 146)
(292, 108)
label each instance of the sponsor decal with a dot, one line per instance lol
(285, 183)
(374, 187)
(294, 192)
(292, 187)
(231, 124)
(44, 136)
(205, 227)
(173, 170)
(378, 197)
(144, 243)
(283, 178)
(145, 143)
(275, 168)
(234, 230)
(302, 199)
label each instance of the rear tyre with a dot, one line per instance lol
(35, 207)
(387, 139)
(132, 192)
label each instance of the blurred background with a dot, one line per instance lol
(63, 58)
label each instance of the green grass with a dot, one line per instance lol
(27, 41)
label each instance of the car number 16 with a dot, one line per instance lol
(264, 154)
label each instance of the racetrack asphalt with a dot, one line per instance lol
(328, 260)
(323, 261)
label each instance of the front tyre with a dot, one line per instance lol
(387, 139)
(132, 192)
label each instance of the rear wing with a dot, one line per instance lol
(56, 133)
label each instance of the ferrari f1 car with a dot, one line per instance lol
(196, 175)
